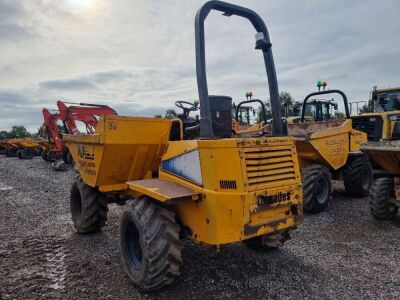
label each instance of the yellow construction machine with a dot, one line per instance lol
(327, 149)
(330, 149)
(27, 147)
(24, 148)
(385, 191)
(9, 147)
(383, 122)
(316, 110)
(216, 188)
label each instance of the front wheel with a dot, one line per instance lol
(12, 152)
(317, 188)
(357, 177)
(150, 244)
(382, 199)
(88, 207)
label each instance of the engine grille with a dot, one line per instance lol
(371, 125)
(266, 167)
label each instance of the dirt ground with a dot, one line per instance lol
(339, 254)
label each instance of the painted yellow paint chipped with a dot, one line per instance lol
(246, 190)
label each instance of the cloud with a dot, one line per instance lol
(138, 56)
(12, 22)
(69, 84)
(105, 77)
(12, 32)
(10, 10)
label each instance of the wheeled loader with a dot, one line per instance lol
(383, 122)
(216, 188)
(385, 190)
(328, 149)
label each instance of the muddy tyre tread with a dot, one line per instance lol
(354, 175)
(380, 206)
(161, 245)
(93, 215)
(309, 175)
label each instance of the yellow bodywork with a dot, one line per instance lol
(388, 119)
(296, 119)
(386, 154)
(240, 128)
(328, 142)
(250, 187)
(21, 143)
(222, 191)
(26, 143)
(122, 149)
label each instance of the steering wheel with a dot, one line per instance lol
(186, 106)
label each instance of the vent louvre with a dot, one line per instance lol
(227, 184)
(267, 166)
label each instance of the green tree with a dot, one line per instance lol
(367, 108)
(286, 101)
(18, 132)
(15, 132)
(4, 135)
(340, 115)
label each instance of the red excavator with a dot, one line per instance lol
(86, 113)
(83, 112)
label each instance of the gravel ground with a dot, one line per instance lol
(339, 254)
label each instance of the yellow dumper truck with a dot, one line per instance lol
(328, 149)
(216, 188)
(385, 191)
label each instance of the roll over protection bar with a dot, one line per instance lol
(264, 112)
(346, 104)
(262, 43)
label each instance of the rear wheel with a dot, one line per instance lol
(12, 152)
(357, 176)
(150, 244)
(268, 242)
(317, 187)
(88, 207)
(27, 153)
(382, 199)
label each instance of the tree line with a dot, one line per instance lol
(15, 132)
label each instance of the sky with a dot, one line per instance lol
(138, 56)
